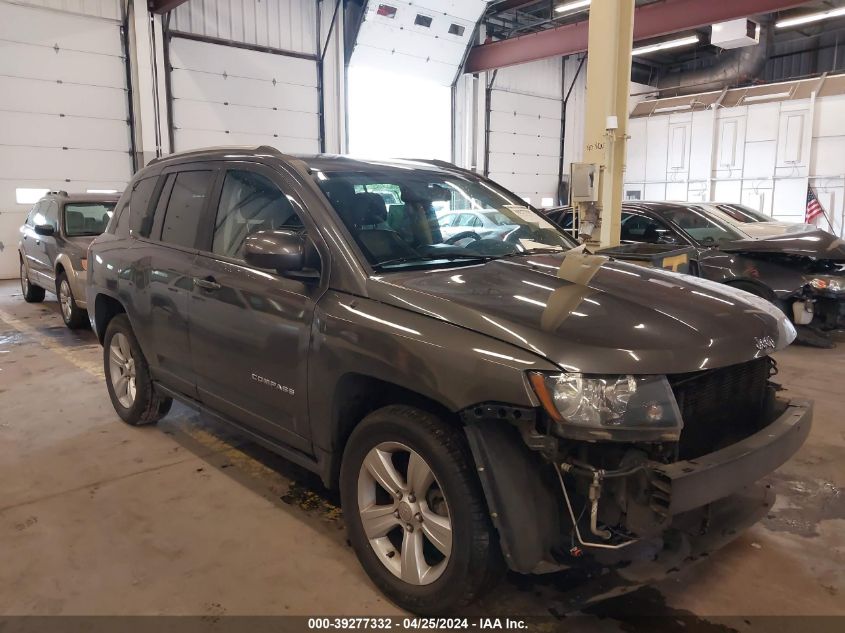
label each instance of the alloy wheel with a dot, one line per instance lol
(66, 299)
(404, 513)
(122, 370)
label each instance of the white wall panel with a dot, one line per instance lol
(63, 105)
(701, 142)
(762, 155)
(109, 9)
(759, 159)
(284, 24)
(657, 135)
(729, 190)
(829, 115)
(790, 198)
(398, 43)
(637, 145)
(763, 126)
(224, 95)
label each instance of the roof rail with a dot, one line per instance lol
(265, 149)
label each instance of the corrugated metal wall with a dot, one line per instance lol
(64, 112)
(111, 9)
(805, 56)
(524, 135)
(284, 24)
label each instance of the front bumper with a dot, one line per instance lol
(525, 499)
(683, 486)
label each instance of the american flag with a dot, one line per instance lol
(814, 207)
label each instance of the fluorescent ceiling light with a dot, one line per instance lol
(673, 108)
(101, 191)
(571, 6)
(683, 41)
(26, 195)
(812, 17)
(766, 97)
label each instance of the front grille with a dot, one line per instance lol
(720, 406)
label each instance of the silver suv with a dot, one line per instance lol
(54, 241)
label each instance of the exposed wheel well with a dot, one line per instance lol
(59, 269)
(105, 309)
(356, 396)
(754, 287)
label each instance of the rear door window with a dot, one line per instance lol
(185, 207)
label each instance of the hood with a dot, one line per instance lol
(759, 230)
(814, 243)
(81, 243)
(593, 314)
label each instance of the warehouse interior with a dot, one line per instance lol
(593, 111)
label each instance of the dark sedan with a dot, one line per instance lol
(803, 273)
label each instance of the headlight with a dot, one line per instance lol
(609, 407)
(826, 283)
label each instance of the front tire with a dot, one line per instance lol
(128, 378)
(415, 512)
(73, 316)
(31, 293)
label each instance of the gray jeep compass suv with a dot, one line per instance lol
(482, 402)
(53, 245)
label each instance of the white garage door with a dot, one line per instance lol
(525, 144)
(64, 119)
(224, 95)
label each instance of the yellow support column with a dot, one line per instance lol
(608, 85)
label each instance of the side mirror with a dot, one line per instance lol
(45, 229)
(282, 251)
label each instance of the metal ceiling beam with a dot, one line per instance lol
(507, 5)
(652, 20)
(163, 6)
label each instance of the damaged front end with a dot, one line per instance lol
(633, 471)
(807, 279)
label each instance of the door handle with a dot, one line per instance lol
(207, 284)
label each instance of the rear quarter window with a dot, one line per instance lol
(140, 207)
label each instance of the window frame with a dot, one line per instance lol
(57, 221)
(165, 189)
(287, 186)
(152, 203)
(683, 239)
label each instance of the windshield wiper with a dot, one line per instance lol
(430, 258)
(535, 251)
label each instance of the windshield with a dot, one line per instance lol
(741, 213)
(438, 218)
(87, 218)
(702, 227)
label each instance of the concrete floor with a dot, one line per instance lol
(186, 518)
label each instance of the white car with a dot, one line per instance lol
(484, 223)
(755, 224)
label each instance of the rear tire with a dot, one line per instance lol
(456, 551)
(73, 316)
(128, 378)
(31, 293)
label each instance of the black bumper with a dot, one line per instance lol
(690, 484)
(525, 503)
